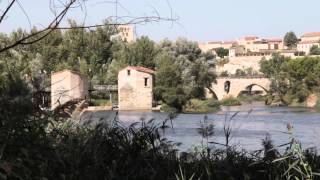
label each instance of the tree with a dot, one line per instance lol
(196, 66)
(273, 69)
(314, 50)
(290, 40)
(222, 52)
(169, 87)
(202, 77)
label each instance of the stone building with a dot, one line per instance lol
(307, 41)
(68, 86)
(125, 33)
(135, 88)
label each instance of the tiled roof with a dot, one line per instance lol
(67, 70)
(274, 40)
(311, 34)
(214, 42)
(250, 38)
(141, 69)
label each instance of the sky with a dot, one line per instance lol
(199, 20)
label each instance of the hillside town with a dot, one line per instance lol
(256, 46)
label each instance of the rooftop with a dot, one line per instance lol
(141, 69)
(311, 34)
(250, 38)
(67, 70)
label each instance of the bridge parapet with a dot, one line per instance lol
(105, 88)
(242, 77)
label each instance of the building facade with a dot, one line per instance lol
(125, 32)
(246, 46)
(307, 41)
(68, 86)
(135, 88)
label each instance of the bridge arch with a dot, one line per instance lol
(236, 85)
(259, 90)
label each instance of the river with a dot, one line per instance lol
(252, 123)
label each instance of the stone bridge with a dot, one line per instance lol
(233, 86)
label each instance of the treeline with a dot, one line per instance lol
(183, 71)
(293, 80)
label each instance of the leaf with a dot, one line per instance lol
(292, 166)
(281, 159)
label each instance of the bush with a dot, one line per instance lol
(202, 106)
(100, 102)
(231, 101)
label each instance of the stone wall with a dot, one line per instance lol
(66, 86)
(241, 62)
(132, 92)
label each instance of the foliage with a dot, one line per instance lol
(224, 74)
(169, 84)
(292, 80)
(221, 52)
(246, 72)
(183, 72)
(100, 102)
(202, 106)
(314, 50)
(38, 146)
(290, 40)
(294, 161)
(231, 101)
(273, 69)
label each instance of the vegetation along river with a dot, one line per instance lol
(252, 123)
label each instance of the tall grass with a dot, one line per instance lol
(68, 151)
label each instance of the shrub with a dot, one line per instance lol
(231, 101)
(100, 102)
(202, 106)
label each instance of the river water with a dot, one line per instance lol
(252, 123)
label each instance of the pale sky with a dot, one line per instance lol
(199, 20)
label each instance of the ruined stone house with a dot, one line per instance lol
(135, 88)
(68, 86)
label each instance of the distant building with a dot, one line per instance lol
(246, 46)
(310, 36)
(68, 86)
(307, 41)
(236, 50)
(125, 33)
(135, 88)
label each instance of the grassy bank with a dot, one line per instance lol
(202, 106)
(231, 101)
(100, 102)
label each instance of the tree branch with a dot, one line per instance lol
(6, 11)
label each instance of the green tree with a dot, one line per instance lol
(169, 87)
(273, 69)
(315, 50)
(222, 52)
(196, 66)
(290, 40)
(202, 77)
